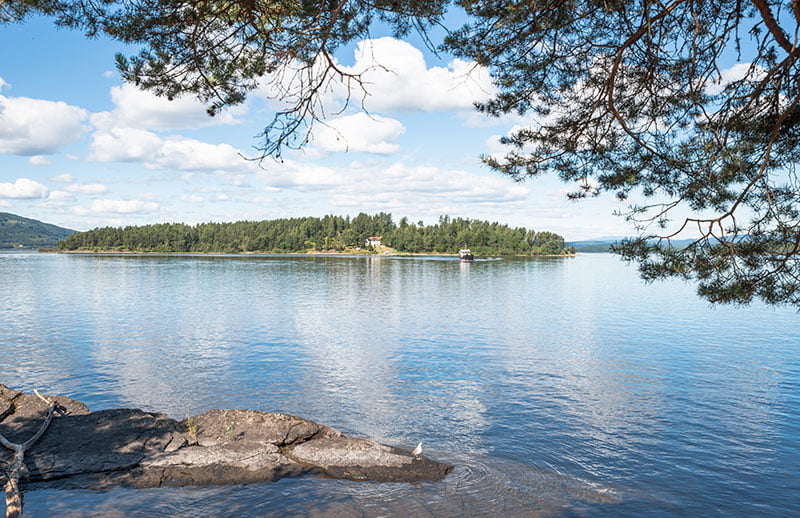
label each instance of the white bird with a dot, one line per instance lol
(417, 451)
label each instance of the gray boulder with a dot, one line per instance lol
(130, 447)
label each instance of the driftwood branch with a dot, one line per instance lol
(13, 496)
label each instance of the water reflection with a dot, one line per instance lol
(554, 386)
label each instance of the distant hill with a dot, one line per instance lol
(603, 244)
(19, 232)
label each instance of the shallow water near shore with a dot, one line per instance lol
(557, 387)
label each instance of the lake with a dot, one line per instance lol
(557, 387)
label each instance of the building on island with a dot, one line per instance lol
(373, 241)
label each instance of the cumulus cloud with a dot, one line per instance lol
(192, 198)
(135, 108)
(62, 178)
(360, 133)
(23, 188)
(31, 127)
(498, 150)
(87, 188)
(107, 206)
(113, 144)
(397, 78)
(124, 133)
(186, 154)
(38, 161)
(453, 184)
(399, 188)
(59, 195)
(116, 144)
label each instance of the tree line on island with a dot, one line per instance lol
(326, 234)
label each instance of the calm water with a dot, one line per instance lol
(561, 387)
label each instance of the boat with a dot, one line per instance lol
(465, 255)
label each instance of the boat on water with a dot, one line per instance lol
(465, 255)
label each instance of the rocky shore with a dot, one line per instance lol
(130, 447)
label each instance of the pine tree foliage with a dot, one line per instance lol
(630, 97)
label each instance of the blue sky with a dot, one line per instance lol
(79, 148)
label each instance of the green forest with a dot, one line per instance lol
(326, 234)
(19, 232)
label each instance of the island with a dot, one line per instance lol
(330, 234)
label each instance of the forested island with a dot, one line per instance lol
(326, 234)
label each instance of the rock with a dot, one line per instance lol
(130, 447)
(22, 414)
(217, 427)
(359, 459)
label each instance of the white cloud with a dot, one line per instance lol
(495, 148)
(397, 78)
(87, 188)
(174, 152)
(456, 185)
(3, 84)
(135, 108)
(62, 178)
(122, 134)
(22, 188)
(60, 196)
(737, 72)
(359, 133)
(37, 127)
(399, 188)
(186, 154)
(39, 160)
(192, 198)
(123, 206)
(499, 151)
(240, 180)
(122, 144)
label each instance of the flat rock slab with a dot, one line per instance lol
(359, 459)
(130, 447)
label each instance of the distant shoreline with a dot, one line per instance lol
(279, 254)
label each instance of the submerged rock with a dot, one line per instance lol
(130, 447)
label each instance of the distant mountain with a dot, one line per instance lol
(19, 232)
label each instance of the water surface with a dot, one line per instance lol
(557, 387)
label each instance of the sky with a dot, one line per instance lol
(80, 148)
